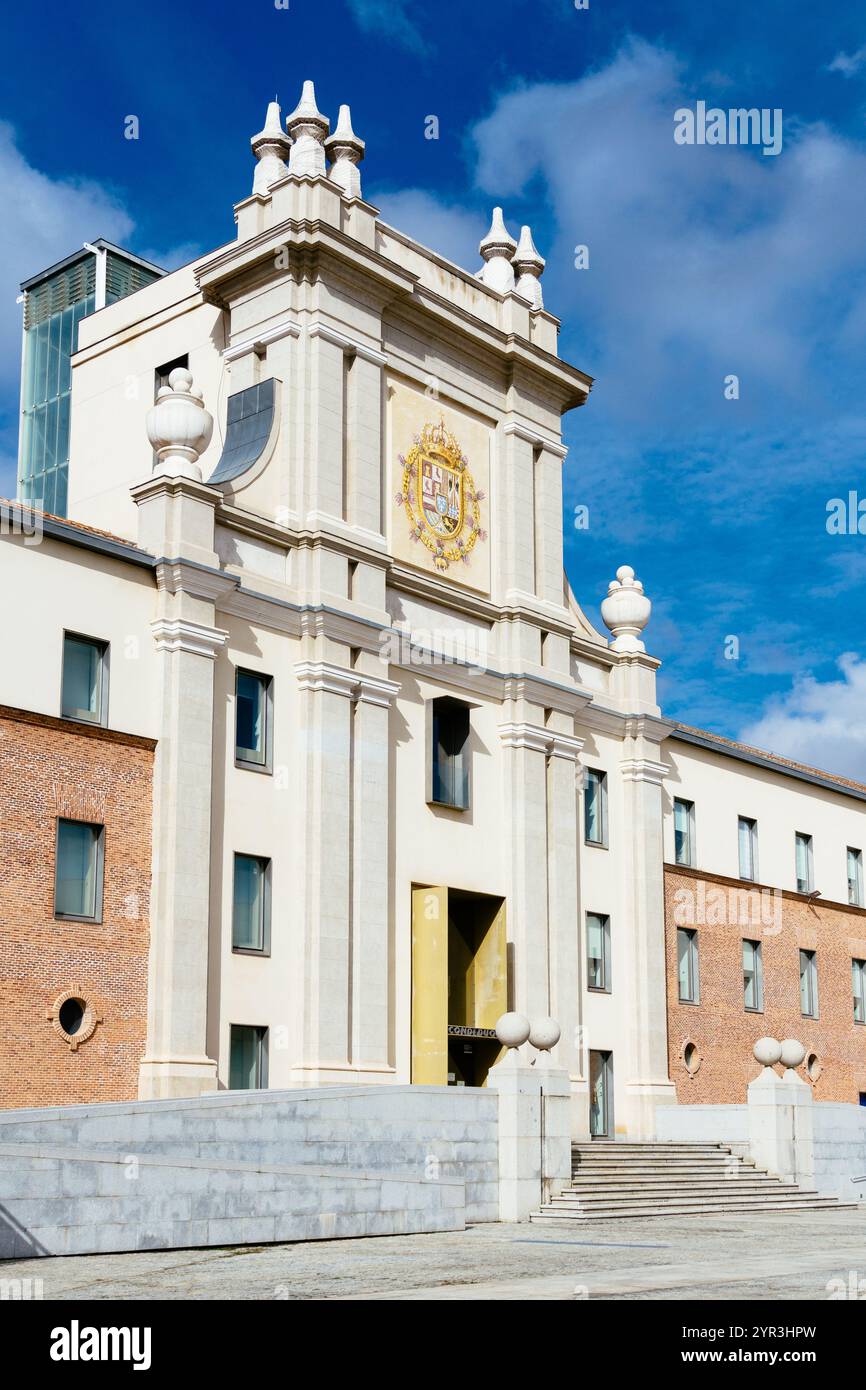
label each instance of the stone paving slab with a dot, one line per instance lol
(779, 1256)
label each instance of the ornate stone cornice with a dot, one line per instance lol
(181, 635)
(176, 576)
(532, 437)
(322, 676)
(541, 740)
(643, 770)
(285, 329)
(317, 329)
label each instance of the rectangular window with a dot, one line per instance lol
(78, 870)
(684, 832)
(688, 966)
(449, 753)
(248, 1058)
(748, 843)
(753, 977)
(803, 857)
(251, 904)
(855, 877)
(858, 982)
(595, 807)
(598, 952)
(808, 984)
(253, 719)
(85, 679)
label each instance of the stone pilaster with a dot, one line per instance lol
(176, 521)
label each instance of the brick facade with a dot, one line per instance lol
(721, 1028)
(51, 768)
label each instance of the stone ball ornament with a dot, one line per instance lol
(512, 1029)
(545, 1034)
(626, 611)
(178, 427)
(767, 1051)
(792, 1053)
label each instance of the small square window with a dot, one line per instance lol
(684, 832)
(688, 970)
(248, 1058)
(753, 977)
(84, 693)
(251, 904)
(78, 871)
(803, 858)
(598, 952)
(855, 877)
(253, 720)
(595, 807)
(449, 753)
(747, 835)
(808, 984)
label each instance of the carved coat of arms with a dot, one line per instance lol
(440, 498)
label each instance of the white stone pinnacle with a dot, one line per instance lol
(496, 250)
(345, 151)
(270, 147)
(626, 611)
(528, 266)
(308, 129)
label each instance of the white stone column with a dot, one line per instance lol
(534, 1162)
(648, 1083)
(564, 916)
(514, 521)
(322, 486)
(548, 523)
(524, 755)
(176, 520)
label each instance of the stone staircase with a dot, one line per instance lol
(627, 1179)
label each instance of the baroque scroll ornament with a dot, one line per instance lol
(441, 500)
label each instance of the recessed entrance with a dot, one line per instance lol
(459, 985)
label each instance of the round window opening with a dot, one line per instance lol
(691, 1058)
(813, 1066)
(71, 1016)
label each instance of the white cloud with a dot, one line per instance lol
(44, 219)
(389, 19)
(848, 63)
(453, 232)
(822, 723)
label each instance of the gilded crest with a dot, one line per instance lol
(440, 497)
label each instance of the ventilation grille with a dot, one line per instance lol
(60, 292)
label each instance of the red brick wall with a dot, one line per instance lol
(721, 1028)
(50, 768)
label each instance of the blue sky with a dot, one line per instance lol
(704, 262)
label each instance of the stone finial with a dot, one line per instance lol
(792, 1055)
(307, 128)
(626, 611)
(528, 265)
(512, 1029)
(270, 147)
(345, 152)
(178, 427)
(496, 250)
(767, 1051)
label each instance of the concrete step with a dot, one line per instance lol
(631, 1147)
(741, 1185)
(681, 1173)
(595, 1213)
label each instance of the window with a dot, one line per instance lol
(688, 966)
(855, 877)
(753, 977)
(598, 952)
(78, 870)
(248, 1058)
(858, 983)
(449, 750)
(251, 904)
(808, 984)
(803, 856)
(748, 841)
(85, 679)
(253, 720)
(595, 807)
(684, 832)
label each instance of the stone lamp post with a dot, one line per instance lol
(179, 428)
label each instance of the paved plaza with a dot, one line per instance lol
(809, 1255)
